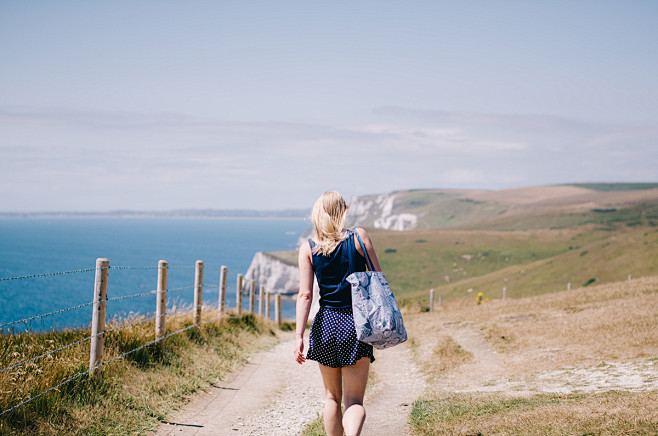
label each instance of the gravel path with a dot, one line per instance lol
(397, 384)
(273, 395)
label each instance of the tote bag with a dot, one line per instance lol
(377, 316)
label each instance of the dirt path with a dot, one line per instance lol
(490, 371)
(272, 395)
(397, 384)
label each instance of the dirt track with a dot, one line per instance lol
(273, 395)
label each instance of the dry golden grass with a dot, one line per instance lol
(583, 326)
(610, 413)
(136, 391)
(581, 338)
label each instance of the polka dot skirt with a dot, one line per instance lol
(333, 339)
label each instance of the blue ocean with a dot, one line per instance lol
(133, 246)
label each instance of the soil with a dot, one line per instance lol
(273, 395)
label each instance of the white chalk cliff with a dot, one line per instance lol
(377, 211)
(278, 277)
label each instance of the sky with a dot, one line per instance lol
(159, 105)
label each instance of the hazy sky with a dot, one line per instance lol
(244, 104)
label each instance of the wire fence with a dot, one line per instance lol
(99, 329)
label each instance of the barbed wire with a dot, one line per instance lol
(180, 289)
(46, 354)
(151, 267)
(75, 271)
(79, 342)
(31, 276)
(132, 296)
(77, 376)
(56, 312)
(25, 320)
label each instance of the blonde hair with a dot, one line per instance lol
(328, 218)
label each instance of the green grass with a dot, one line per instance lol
(629, 252)
(607, 187)
(315, 428)
(445, 257)
(287, 257)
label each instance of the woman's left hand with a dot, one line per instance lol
(299, 350)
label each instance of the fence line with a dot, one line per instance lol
(46, 314)
(77, 376)
(60, 273)
(99, 329)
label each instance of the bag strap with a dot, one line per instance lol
(372, 267)
(350, 251)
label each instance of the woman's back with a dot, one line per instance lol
(332, 270)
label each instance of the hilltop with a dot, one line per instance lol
(532, 207)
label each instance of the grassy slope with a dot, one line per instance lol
(135, 392)
(607, 187)
(531, 253)
(577, 329)
(610, 259)
(534, 250)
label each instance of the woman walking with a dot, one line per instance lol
(344, 362)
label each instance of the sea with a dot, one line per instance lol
(47, 265)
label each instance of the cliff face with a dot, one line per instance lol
(378, 211)
(278, 277)
(272, 273)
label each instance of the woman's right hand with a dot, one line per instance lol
(299, 350)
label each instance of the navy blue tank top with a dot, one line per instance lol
(332, 271)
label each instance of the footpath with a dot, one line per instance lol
(273, 395)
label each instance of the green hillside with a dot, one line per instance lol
(607, 187)
(530, 240)
(626, 252)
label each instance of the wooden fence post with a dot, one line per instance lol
(431, 300)
(252, 297)
(440, 300)
(238, 295)
(267, 305)
(277, 309)
(260, 300)
(98, 315)
(629, 277)
(221, 304)
(504, 294)
(198, 290)
(569, 286)
(161, 302)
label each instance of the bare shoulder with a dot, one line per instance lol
(362, 233)
(304, 249)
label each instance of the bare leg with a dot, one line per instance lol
(332, 396)
(355, 378)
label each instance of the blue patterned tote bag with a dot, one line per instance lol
(377, 316)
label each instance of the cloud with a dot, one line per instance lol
(160, 161)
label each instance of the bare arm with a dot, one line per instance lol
(304, 299)
(368, 243)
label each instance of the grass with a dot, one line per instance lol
(610, 413)
(135, 392)
(446, 257)
(607, 187)
(584, 329)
